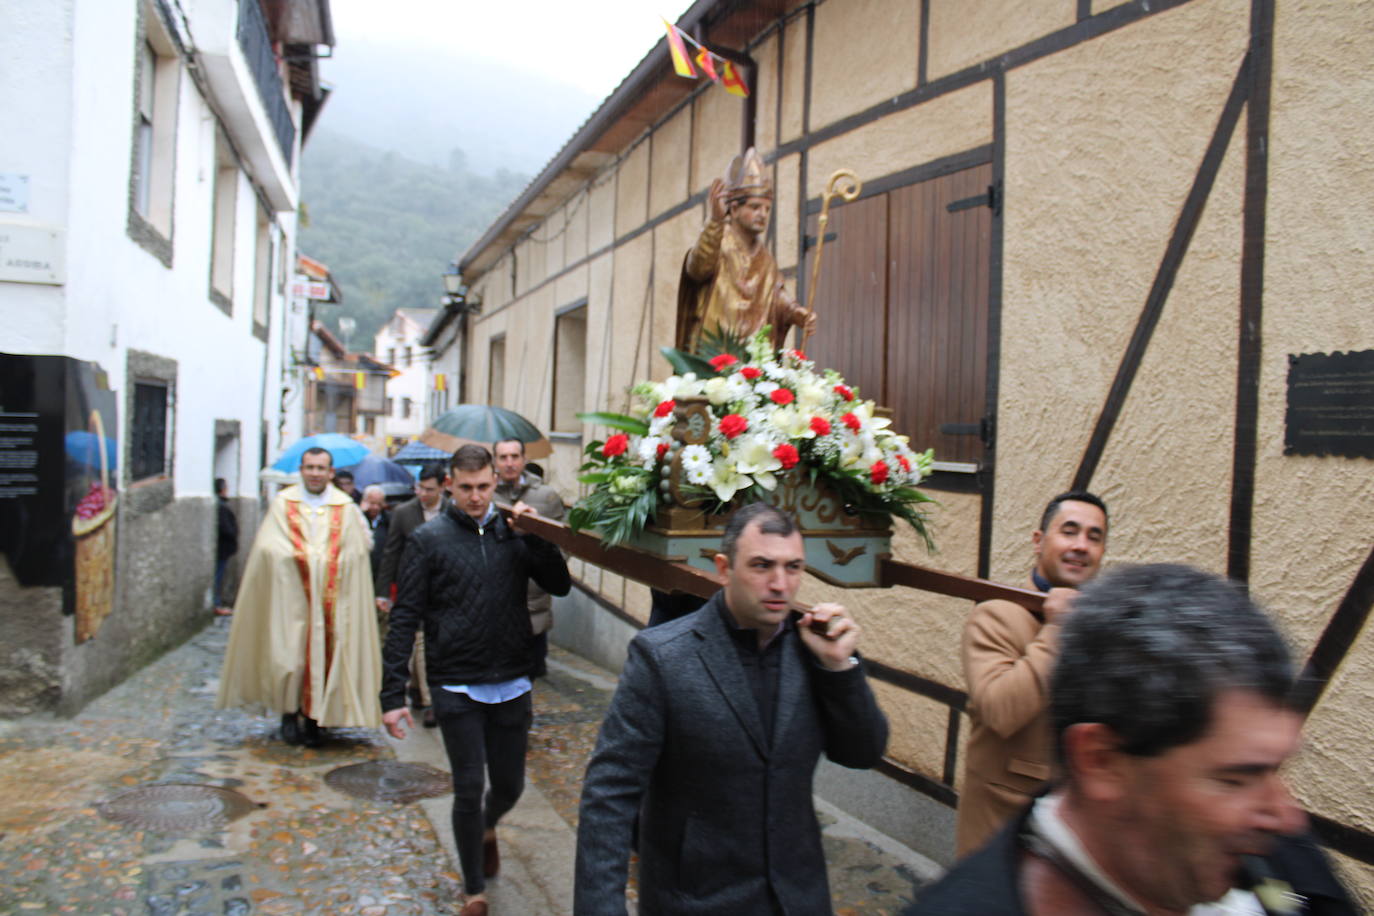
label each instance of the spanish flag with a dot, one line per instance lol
(681, 63)
(729, 78)
(319, 373)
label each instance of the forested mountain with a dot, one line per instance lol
(388, 226)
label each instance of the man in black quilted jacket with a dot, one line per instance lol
(463, 578)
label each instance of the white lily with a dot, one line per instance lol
(726, 481)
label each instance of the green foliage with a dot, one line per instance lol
(616, 421)
(684, 362)
(387, 227)
(718, 340)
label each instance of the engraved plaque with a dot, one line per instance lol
(1330, 405)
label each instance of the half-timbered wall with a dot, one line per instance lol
(1178, 196)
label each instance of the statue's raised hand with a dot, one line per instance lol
(719, 199)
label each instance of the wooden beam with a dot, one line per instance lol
(666, 575)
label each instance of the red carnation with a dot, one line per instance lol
(852, 422)
(731, 425)
(782, 396)
(878, 472)
(662, 410)
(787, 454)
(845, 392)
(820, 426)
(723, 360)
(616, 445)
(751, 372)
(906, 465)
(662, 450)
(797, 355)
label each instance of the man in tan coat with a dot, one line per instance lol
(304, 638)
(1008, 654)
(515, 483)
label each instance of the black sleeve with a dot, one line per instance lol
(855, 728)
(412, 599)
(391, 555)
(546, 565)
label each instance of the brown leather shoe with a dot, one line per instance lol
(491, 857)
(474, 908)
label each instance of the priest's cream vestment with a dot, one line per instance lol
(304, 634)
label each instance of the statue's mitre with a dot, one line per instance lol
(748, 176)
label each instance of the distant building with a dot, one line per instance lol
(148, 199)
(399, 344)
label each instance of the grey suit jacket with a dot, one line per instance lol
(728, 824)
(405, 518)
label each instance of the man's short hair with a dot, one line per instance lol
(220, 485)
(498, 442)
(1148, 649)
(375, 488)
(471, 458)
(770, 518)
(1072, 496)
(342, 476)
(434, 470)
(316, 450)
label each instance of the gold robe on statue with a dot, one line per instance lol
(728, 282)
(304, 633)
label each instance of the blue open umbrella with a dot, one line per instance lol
(345, 451)
(85, 447)
(375, 469)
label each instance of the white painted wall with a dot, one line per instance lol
(69, 80)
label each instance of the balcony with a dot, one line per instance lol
(262, 63)
(236, 53)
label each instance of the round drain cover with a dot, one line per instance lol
(387, 780)
(176, 808)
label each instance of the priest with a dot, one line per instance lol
(304, 640)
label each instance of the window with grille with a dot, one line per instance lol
(148, 446)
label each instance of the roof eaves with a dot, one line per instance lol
(650, 68)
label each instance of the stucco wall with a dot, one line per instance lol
(864, 52)
(1082, 247)
(964, 33)
(1313, 520)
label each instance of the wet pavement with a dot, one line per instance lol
(151, 802)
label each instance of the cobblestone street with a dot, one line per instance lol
(74, 839)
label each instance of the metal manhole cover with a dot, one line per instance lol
(387, 780)
(176, 808)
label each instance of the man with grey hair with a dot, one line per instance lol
(1171, 715)
(716, 728)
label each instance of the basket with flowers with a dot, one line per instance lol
(760, 425)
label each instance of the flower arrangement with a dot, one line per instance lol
(771, 414)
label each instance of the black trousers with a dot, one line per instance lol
(482, 740)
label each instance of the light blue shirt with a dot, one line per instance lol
(502, 691)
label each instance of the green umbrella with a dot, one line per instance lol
(480, 424)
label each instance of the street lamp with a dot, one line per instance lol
(453, 284)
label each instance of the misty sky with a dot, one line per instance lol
(590, 45)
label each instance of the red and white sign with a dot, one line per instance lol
(305, 288)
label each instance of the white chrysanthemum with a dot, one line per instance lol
(682, 386)
(696, 464)
(659, 426)
(763, 389)
(737, 388)
(648, 451)
(717, 390)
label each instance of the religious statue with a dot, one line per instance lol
(731, 285)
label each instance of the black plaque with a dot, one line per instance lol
(59, 480)
(1330, 405)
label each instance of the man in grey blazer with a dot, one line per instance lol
(713, 736)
